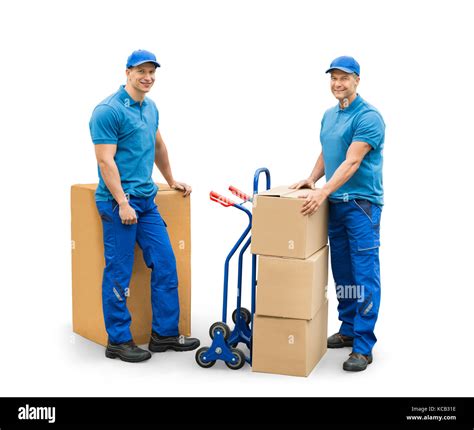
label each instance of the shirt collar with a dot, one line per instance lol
(127, 99)
(356, 102)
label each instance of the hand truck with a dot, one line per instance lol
(224, 341)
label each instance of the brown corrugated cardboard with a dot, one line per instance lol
(88, 265)
(279, 228)
(292, 288)
(289, 346)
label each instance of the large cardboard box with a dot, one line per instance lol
(279, 228)
(88, 265)
(289, 346)
(292, 288)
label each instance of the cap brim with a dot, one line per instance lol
(341, 68)
(143, 62)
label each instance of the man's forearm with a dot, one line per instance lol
(342, 174)
(111, 176)
(163, 164)
(318, 170)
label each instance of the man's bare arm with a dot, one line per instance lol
(105, 154)
(163, 163)
(354, 156)
(161, 159)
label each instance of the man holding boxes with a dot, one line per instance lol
(352, 139)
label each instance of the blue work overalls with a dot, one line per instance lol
(119, 243)
(354, 238)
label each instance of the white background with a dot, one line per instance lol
(242, 85)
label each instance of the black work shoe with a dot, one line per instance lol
(126, 351)
(357, 362)
(177, 343)
(338, 340)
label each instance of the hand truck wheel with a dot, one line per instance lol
(200, 353)
(245, 314)
(238, 358)
(219, 326)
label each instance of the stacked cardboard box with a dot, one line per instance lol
(290, 325)
(88, 265)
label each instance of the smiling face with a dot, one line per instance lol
(141, 78)
(344, 85)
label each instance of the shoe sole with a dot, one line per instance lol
(353, 369)
(113, 355)
(340, 345)
(163, 348)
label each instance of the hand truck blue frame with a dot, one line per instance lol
(224, 341)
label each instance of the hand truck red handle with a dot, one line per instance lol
(224, 201)
(240, 194)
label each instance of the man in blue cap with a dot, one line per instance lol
(127, 140)
(352, 138)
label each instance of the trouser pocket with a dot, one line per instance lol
(366, 271)
(366, 207)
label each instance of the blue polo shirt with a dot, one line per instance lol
(359, 122)
(121, 121)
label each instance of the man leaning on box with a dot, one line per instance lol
(352, 139)
(124, 129)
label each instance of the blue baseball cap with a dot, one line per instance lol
(141, 56)
(346, 64)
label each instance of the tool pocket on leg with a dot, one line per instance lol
(367, 257)
(368, 246)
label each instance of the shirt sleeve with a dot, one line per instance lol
(104, 125)
(370, 128)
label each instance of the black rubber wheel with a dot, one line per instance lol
(199, 354)
(239, 359)
(223, 327)
(246, 316)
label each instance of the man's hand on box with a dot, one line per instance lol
(314, 199)
(127, 214)
(305, 183)
(181, 186)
